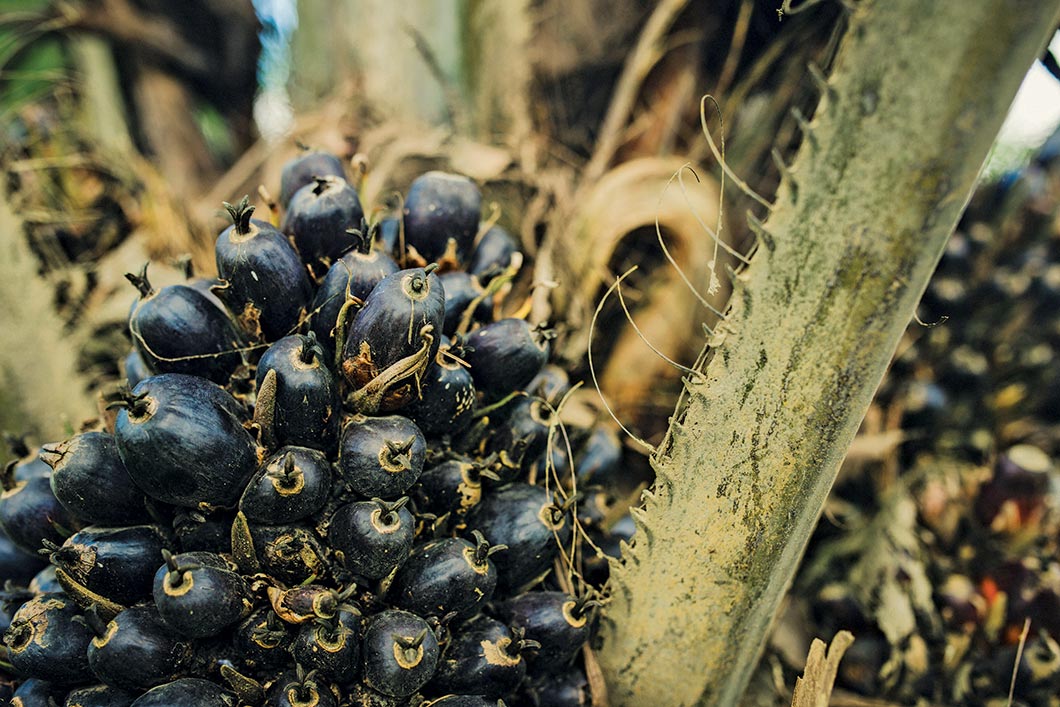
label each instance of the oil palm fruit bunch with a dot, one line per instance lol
(333, 477)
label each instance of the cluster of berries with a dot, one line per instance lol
(334, 479)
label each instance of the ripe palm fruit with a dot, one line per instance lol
(483, 658)
(521, 437)
(187, 692)
(308, 602)
(178, 330)
(571, 689)
(400, 653)
(331, 647)
(290, 553)
(35, 692)
(99, 696)
(17, 565)
(198, 594)
(600, 457)
(136, 368)
(30, 515)
(47, 640)
(381, 456)
(447, 397)
(389, 236)
(394, 339)
(463, 292)
(469, 701)
(557, 621)
(373, 536)
(304, 168)
(301, 689)
(137, 650)
(317, 219)
(112, 565)
(446, 576)
(183, 441)
(300, 405)
(441, 216)
(453, 486)
(492, 252)
(261, 641)
(349, 280)
(291, 485)
(264, 281)
(530, 523)
(196, 531)
(90, 480)
(506, 355)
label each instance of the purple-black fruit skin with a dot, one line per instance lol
(356, 272)
(214, 601)
(100, 696)
(257, 652)
(388, 329)
(90, 480)
(453, 486)
(341, 659)
(178, 330)
(116, 563)
(440, 206)
(512, 516)
(493, 252)
(504, 356)
(286, 692)
(466, 668)
(361, 449)
(56, 647)
(45, 581)
(307, 409)
(263, 272)
(191, 448)
(388, 236)
(381, 670)
(139, 651)
(526, 423)
(136, 368)
(291, 553)
(447, 399)
(460, 290)
(600, 458)
(571, 689)
(18, 566)
(302, 169)
(187, 692)
(367, 551)
(439, 577)
(548, 618)
(30, 513)
(317, 219)
(469, 701)
(34, 692)
(266, 501)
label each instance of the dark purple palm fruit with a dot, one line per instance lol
(302, 170)
(38, 693)
(198, 594)
(290, 553)
(463, 292)
(556, 620)
(136, 368)
(178, 330)
(389, 236)
(99, 696)
(441, 217)
(90, 480)
(381, 456)
(331, 647)
(347, 284)
(468, 701)
(27, 463)
(571, 689)
(292, 484)
(187, 692)
(45, 581)
(493, 252)
(446, 576)
(205, 532)
(532, 523)
(264, 281)
(483, 658)
(18, 566)
(183, 442)
(453, 486)
(447, 396)
(374, 536)
(261, 641)
(136, 650)
(48, 640)
(400, 653)
(300, 405)
(600, 458)
(551, 384)
(301, 689)
(394, 339)
(31, 515)
(309, 602)
(506, 355)
(1014, 497)
(109, 566)
(521, 437)
(317, 220)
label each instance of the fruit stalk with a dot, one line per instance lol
(906, 120)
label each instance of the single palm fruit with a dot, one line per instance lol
(506, 355)
(484, 658)
(446, 576)
(441, 216)
(137, 650)
(100, 696)
(292, 484)
(381, 456)
(302, 169)
(556, 620)
(31, 515)
(187, 692)
(374, 536)
(331, 647)
(112, 564)
(300, 404)
(400, 653)
(198, 594)
(493, 252)
(47, 641)
(318, 218)
(90, 480)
